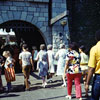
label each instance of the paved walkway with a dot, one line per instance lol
(53, 91)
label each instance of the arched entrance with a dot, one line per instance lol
(26, 31)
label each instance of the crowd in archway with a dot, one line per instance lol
(72, 65)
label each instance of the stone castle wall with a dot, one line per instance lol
(37, 13)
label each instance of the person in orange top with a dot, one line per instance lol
(94, 68)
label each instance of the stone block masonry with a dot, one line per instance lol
(37, 13)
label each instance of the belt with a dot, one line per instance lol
(84, 64)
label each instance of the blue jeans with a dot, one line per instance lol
(96, 88)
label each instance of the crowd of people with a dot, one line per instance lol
(73, 64)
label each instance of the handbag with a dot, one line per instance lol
(76, 69)
(10, 74)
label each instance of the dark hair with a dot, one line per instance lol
(82, 47)
(97, 35)
(25, 46)
(34, 47)
(73, 46)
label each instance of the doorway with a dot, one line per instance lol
(23, 31)
(26, 31)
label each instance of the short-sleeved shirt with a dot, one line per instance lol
(74, 62)
(84, 61)
(94, 59)
(8, 60)
(25, 56)
(84, 58)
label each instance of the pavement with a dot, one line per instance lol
(53, 91)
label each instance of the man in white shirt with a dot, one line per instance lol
(25, 58)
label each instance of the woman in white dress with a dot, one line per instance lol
(61, 56)
(51, 61)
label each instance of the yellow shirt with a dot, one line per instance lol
(94, 60)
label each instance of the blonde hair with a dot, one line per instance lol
(6, 53)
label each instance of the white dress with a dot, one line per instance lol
(51, 61)
(61, 55)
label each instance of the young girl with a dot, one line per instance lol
(84, 63)
(9, 63)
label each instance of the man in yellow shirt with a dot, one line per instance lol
(94, 68)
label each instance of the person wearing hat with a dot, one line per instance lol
(61, 58)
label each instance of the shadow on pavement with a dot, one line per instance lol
(34, 75)
(8, 95)
(52, 98)
(83, 96)
(18, 88)
(53, 85)
(35, 88)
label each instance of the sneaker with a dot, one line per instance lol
(68, 97)
(45, 83)
(64, 85)
(80, 98)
